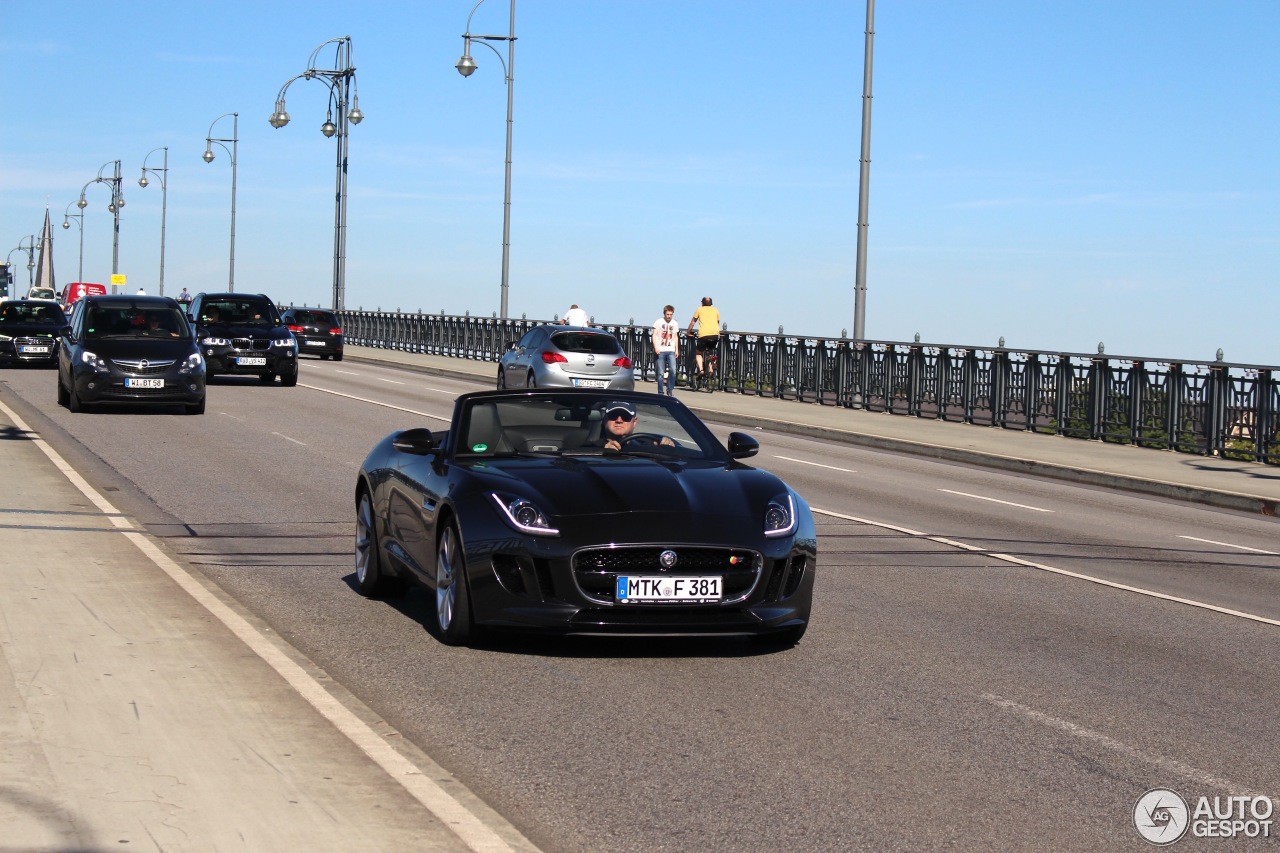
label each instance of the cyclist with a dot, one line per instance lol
(707, 321)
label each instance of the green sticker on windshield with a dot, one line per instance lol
(479, 448)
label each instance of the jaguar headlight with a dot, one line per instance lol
(524, 515)
(780, 516)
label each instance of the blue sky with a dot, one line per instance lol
(1060, 173)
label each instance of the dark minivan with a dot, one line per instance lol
(242, 333)
(130, 349)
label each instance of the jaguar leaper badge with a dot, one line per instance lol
(667, 559)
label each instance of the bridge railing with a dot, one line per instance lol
(1210, 408)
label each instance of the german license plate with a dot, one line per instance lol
(143, 383)
(310, 343)
(591, 383)
(639, 588)
(251, 361)
(33, 349)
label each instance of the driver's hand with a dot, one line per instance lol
(613, 444)
(667, 441)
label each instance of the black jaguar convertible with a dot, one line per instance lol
(584, 512)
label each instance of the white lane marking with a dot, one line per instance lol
(286, 438)
(816, 464)
(995, 500)
(1018, 561)
(1171, 765)
(390, 381)
(466, 825)
(347, 372)
(1229, 545)
(376, 403)
(233, 417)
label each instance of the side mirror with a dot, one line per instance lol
(742, 445)
(417, 441)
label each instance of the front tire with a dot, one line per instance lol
(453, 604)
(63, 396)
(289, 380)
(530, 382)
(74, 403)
(371, 581)
(502, 379)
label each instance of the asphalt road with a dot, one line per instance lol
(991, 663)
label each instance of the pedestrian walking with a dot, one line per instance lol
(666, 333)
(575, 316)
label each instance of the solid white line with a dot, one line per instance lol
(376, 403)
(469, 828)
(286, 438)
(1194, 774)
(1229, 545)
(995, 500)
(391, 381)
(1018, 561)
(815, 464)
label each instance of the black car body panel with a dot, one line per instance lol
(685, 512)
(29, 331)
(130, 349)
(317, 331)
(242, 333)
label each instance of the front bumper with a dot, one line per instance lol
(36, 350)
(114, 385)
(250, 358)
(571, 593)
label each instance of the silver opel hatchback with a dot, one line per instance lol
(566, 357)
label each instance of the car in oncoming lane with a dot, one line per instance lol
(553, 356)
(584, 512)
(29, 331)
(242, 333)
(130, 349)
(317, 331)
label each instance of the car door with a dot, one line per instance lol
(517, 373)
(413, 508)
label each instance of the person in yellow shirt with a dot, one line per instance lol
(707, 321)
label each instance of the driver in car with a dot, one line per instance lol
(620, 421)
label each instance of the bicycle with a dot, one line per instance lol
(704, 379)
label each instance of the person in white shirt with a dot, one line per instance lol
(142, 291)
(575, 316)
(666, 334)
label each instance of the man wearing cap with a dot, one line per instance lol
(620, 421)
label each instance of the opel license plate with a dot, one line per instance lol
(251, 361)
(143, 383)
(633, 588)
(591, 383)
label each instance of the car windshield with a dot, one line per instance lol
(586, 342)
(239, 312)
(31, 314)
(131, 320)
(574, 423)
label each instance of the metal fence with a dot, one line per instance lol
(1209, 408)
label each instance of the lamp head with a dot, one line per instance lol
(82, 204)
(279, 118)
(65, 223)
(142, 182)
(466, 65)
(329, 128)
(119, 200)
(112, 207)
(355, 116)
(208, 155)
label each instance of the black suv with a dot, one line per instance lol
(242, 333)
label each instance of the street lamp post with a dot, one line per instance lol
(466, 67)
(341, 80)
(66, 223)
(117, 202)
(163, 174)
(864, 179)
(30, 249)
(209, 142)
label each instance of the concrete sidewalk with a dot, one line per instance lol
(140, 707)
(1226, 484)
(143, 707)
